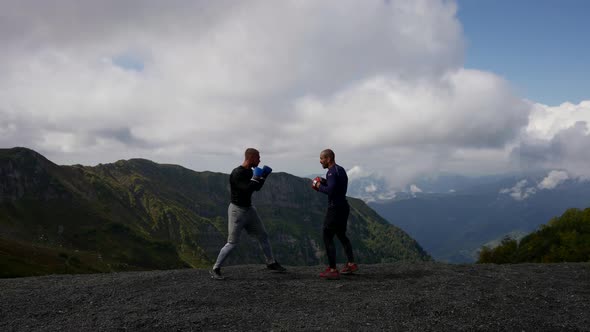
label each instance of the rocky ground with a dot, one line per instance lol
(404, 296)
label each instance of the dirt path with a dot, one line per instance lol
(408, 297)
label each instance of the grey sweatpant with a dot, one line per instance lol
(240, 218)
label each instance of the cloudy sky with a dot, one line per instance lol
(396, 88)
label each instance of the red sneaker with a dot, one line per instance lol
(330, 274)
(349, 268)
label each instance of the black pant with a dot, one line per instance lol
(335, 224)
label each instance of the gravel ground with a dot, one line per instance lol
(404, 296)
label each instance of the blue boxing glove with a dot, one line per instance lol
(266, 171)
(258, 172)
(258, 175)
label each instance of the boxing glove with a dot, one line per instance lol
(315, 184)
(258, 175)
(258, 172)
(266, 171)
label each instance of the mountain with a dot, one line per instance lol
(374, 188)
(137, 215)
(563, 239)
(452, 227)
(370, 188)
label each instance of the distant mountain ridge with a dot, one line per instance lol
(137, 214)
(375, 188)
(453, 227)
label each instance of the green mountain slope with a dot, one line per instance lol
(563, 239)
(137, 214)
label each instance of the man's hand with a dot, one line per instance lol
(315, 184)
(258, 175)
(266, 171)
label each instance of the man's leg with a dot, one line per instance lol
(331, 273)
(234, 229)
(223, 254)
(350, 266)
(330, 227)
(330, 247)
(342, 216)
(345, 244)
(255, 228)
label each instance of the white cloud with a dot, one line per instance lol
(195, 83)
(386, 196)
(356, 172)
(415, 189)
(520, 191)
(371, 188)
(557, 138)
(546, 121)
(464, 108)
(553, 179)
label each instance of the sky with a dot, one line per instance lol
(398, 89)
(540, 46)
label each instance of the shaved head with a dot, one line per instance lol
(251, 158)
(328, 153)
(250, 152)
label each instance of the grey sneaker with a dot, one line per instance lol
(276, 267)
(216, 274)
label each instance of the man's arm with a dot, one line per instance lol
(330, 185)
(244, 183)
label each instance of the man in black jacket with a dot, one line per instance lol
(242, 214)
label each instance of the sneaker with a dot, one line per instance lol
(330, 274)
(349, 268)
(216, 274)
(276, 267)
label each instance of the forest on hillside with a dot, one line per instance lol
(563, 239)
